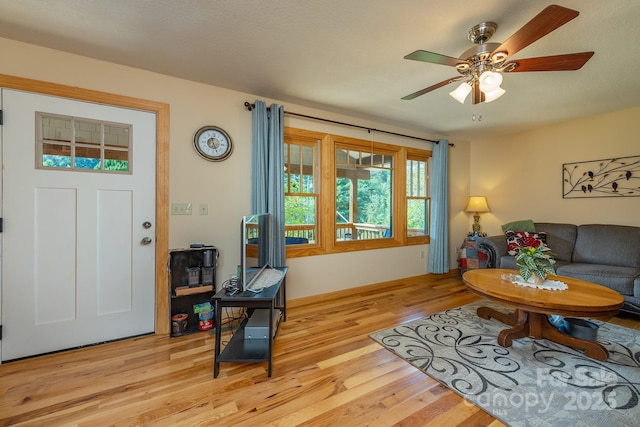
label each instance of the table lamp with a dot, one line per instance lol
(477, 205)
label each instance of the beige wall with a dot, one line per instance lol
(224, 186)
(521, 174)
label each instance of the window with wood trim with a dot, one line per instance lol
(364, 192)
(354, 195)
(81, 144)
(301, 188)
(417, 196)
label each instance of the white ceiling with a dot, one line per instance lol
(346, 56)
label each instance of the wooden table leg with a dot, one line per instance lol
(544, 329)
(519, 320)
(519, 330)
(489, 313)
(537, 326)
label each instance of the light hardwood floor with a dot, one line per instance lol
(327, 371)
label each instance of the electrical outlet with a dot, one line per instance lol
(204, 209)
(180, 208)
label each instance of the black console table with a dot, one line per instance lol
(239, 349)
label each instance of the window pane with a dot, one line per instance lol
(342, 156)
(300, 219)
(87, 157)
(417, 198)
(378, 160)
(354, 157)
(373, 216)
(343, 200)
(292, 159)
(300, 199)
(116, 160)
(88, 132)
(56, 129)
(416, 178)
(410, 181)
(363, 203)
(82, 144)
(308, 161)
(56, 156)
(116, 135)
(366, 159)
(417, 217)
(293, 178)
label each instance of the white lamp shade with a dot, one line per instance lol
(494, 94)
(461, 92)
(490, 81)
(477, 204)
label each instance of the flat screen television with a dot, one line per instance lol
(254, 248)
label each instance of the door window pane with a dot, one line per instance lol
(86, 157)
(81, 144)
(87, 132)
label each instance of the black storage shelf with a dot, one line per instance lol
(179, 261)
(252, 350)
(239, 349)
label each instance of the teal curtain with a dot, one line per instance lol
(267, 174)
(439, 230)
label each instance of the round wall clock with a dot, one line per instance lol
(213, 143)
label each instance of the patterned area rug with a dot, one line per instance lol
(531, 383)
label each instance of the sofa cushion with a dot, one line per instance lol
(523, 238)
(522, 225)
(561, 238)
(615, 245)
(617, 278)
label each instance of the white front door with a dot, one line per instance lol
(78, 247)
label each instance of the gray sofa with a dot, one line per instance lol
(605, 254)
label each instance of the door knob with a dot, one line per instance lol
(146, 224)
(146, 240)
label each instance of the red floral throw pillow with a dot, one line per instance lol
(524, 238)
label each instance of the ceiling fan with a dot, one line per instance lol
(481, 66)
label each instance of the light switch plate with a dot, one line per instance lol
(180, 208)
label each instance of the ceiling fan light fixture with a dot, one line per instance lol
(490, 81)
(461, 92)
(493, 94)
(483, 64)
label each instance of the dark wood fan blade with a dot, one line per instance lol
(430, 88)
(434, 58)
(567, 62)
(549, 19)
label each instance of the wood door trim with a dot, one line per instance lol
(162, 169)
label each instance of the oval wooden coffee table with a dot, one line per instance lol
(533, 307)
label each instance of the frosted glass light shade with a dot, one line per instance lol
(477, 204)
(490, 81)
(461, 92)
(494, 94)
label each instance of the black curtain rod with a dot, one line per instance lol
(250, 107)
